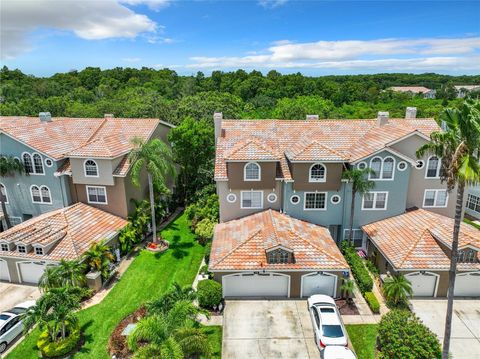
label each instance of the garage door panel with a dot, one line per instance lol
(255, 285)
(423, 284)
(4, 273)
(318, 284)
(30, 272)
(467, 285)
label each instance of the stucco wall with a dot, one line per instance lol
(301, 174)
(105, 170)
(267, 175)
(476, 192)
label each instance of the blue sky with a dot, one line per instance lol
(43, 37)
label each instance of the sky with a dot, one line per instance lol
(43, 37)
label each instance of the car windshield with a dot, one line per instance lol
(17, 310)
(4, 316)
(332, 331)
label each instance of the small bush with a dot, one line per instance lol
(372, 268)
(208, 249)
(402, 335)
(204, 230)
(360, 272)
(372, 302)
(60, 348)
(209, 293)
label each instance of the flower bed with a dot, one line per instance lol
(157, 247)
(117, 344)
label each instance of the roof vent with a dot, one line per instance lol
(45, 117)
(411, 112)
(312, 117)
(108, 115)
(382, 118)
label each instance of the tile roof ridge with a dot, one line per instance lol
(324, 146)
(67, 230)
(414, 245)
(105, 120)
(274, 228)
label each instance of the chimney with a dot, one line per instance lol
(411, 112)
(382, 118)
(312, 117)
(45, 117)
(217, 121)
(108, 115)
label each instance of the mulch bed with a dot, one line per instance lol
(117, 344)
(345, 308)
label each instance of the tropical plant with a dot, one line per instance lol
(98, 258)
(361, 185)
(397, 289)
(9, 166)
(127, 238)
(459, 149)
(156, 158)
(347, 288)
(372, 302)
(204, 230)
(209, 293)
(167, 301)
(173, 334)
(65, 274)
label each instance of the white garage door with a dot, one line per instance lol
(30, 272)
(423, 284)
(255, 285)
(467, 285)
(319, 284)
(4, 274)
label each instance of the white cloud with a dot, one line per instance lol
(152, 4)
(270, 4)
(382, 54)
(131, 59)
(88, 19)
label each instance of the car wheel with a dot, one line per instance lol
(3, 346)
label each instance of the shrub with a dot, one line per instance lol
(128, 237)
(209, 293)
(208, 249)
(360, 272)
(372, 302)
(61, 347)
(402, 335)
(204, 230)
(372, 268)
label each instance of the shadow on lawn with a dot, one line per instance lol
(177, 248)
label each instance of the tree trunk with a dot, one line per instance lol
(453, 269)
(352, 211)
(63, 330)
(5, 215)
(152, 208)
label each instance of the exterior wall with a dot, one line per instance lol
(229, 211)
(476, 192)
(105, 170)
(295, 280)
(18, 186)
(301, 174)
(134, 192)
(267, 175)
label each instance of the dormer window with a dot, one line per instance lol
(4, 247)
(21, 248)
(433, 167)
(39, 251)
(252, 172)
(91, 168)
(318, 173)
(278, 256)
(467, 256)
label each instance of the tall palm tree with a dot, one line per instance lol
(66, 274)
(361, 185)
(397, 289)
(459, 149)
(9, 166)
(98, 258)
(156, 158)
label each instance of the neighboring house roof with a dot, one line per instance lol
(71, 230)
(122, 168)
(418, 239)
(413, 89)
(467, 87)
(242, 244)
(65, 169)
(310, 140)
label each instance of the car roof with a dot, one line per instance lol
(338, 352)
(26, 304)
(321, 298)
(328, 318)
(9, 315)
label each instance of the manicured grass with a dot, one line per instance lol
(363, 337)
(472, 223)
(147, 278)
(215, 339)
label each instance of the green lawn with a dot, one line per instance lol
(472, 223)
(363, 337)
(148, 277)
(215, 338)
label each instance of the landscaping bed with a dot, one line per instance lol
(117, 344)
(346, 308)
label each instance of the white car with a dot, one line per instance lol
(327, 325)
(11, 324)
(337, 352)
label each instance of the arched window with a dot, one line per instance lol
(388, 166)
(433, 167)
(40, 194)
(252, 172)
(376, 166)
(3, 193)
(318, 173)
(91, 169)
(36, 197)
(383, 168)
(37, 163)
(45, 192)
(27, 163)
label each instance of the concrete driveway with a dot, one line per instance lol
(267, 329)
(12, 294)
(465, 341)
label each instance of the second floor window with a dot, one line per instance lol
(433, 167)
(97, 194)
(37, 163)
(383, 169)
(3, 193)
(28, 163)
(252, 199)
(375, 201)
(40, 194)
(252, 172)
(473, 203)
(91, 168)
(315, 200)
(435, 198)
(318, 173)
(33, 163)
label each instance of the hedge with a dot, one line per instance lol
(372, 302)
(360, 272)
(60, 348)
(402, 335)
(209, 293)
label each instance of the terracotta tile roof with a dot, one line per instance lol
(413, 89)
(312, 140)
(122, 169)
(72, 229)
(241, 244)
(251, 150)
(413, 240)
(65, 169)
(85, 137)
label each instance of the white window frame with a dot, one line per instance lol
(436, 190)
(97, 187)
(40, 191)
(315, 209)
(259, 172)
(31, 162)
(375, 194)
(381, 174)
(39, 249)
(339, 199)
(5, 190)
(48, 160)
(317, 180)
(474, 201)
(252, 191)
(393, 169)
(355, 230)
(34, 170)
(437, 176)
(85, 168)
(296, 196)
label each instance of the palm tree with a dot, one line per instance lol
(157, 159)
(9, 166)
(397, 289)
(167, 301)
(347, 287)
(361, 185)
(173, 334)
(66, 274)
(459, 149)
(98, 258)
